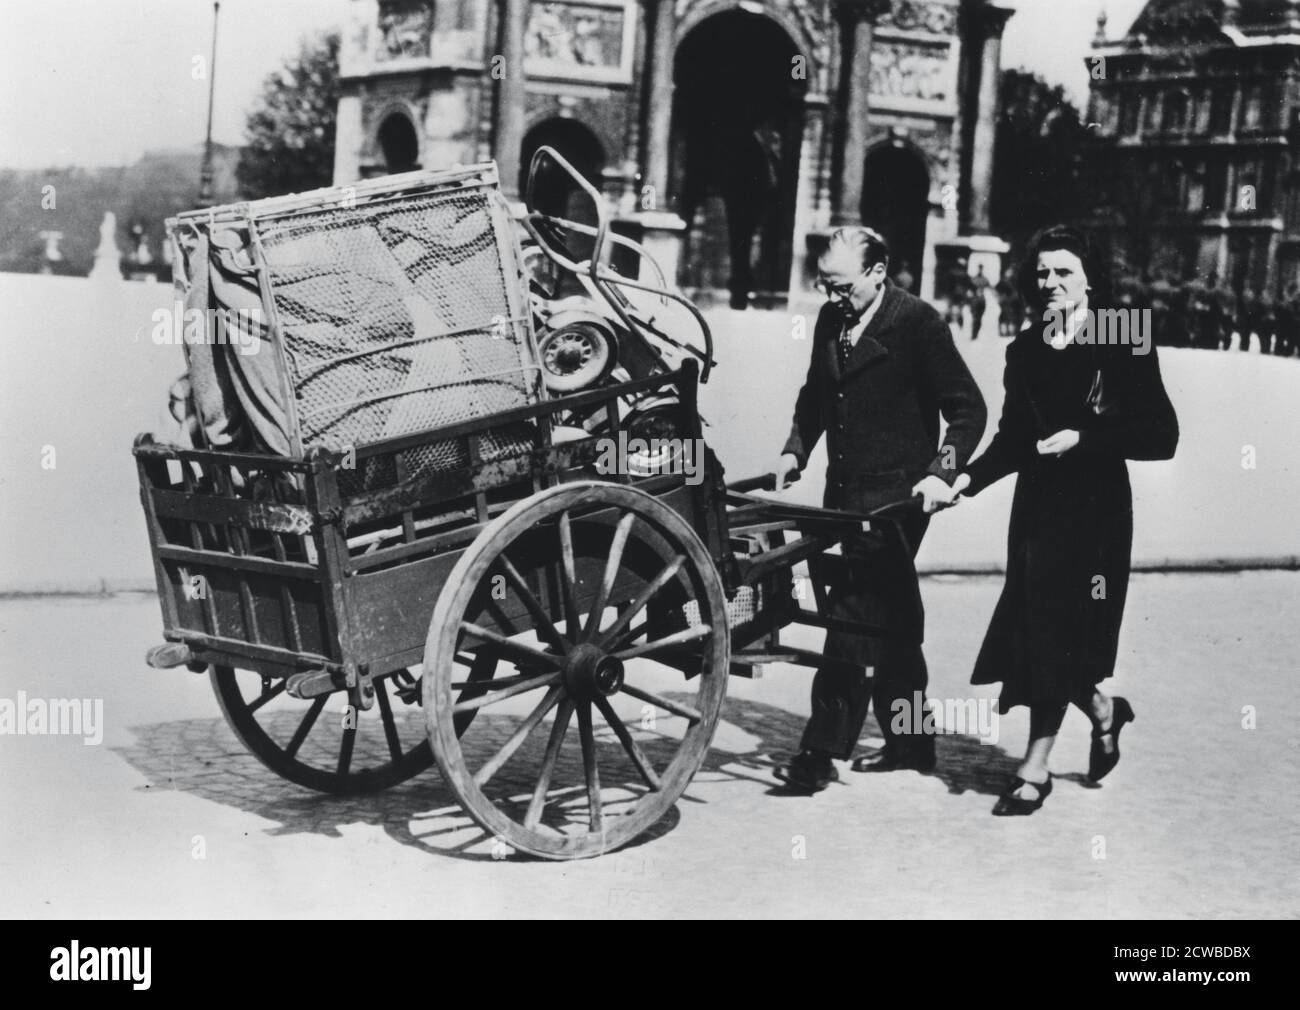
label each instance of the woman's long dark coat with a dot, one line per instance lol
(1055, 632)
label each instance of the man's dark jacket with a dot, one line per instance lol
(881, 415)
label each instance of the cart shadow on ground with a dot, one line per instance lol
(203, 758)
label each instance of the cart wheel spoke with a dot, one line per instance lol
(305, 726)
(558, 729)
(500, 617)
(266, 696)
(569, 569)
(492, 697)
(685, 711)
(482, 678)
(629, 636)
(590, 770)
(616, 548)
(678, 638)
(473, 688)
(386, 716)
(510, 648)
(668, 573)
(638, 757)
(535, 609)
(495, 763)
(345, 749)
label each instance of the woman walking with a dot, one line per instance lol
(1076, 408)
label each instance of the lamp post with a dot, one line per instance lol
(205, 173)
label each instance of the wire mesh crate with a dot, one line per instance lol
(374, 311)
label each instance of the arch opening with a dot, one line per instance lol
(399, 144)
(737, 129)
(896, 202)
(554, 192)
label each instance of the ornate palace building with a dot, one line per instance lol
(732, 133)
(1195, 111)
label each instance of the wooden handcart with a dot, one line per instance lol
(363, 613)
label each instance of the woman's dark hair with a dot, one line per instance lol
(1071, 239)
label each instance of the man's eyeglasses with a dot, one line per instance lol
(838, 290)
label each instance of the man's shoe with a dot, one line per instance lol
(809, 771)
(896, 759)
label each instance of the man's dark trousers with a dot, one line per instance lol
(883, 591)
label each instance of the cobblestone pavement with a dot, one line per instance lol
(1199, 820)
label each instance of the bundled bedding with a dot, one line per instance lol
(357, 314)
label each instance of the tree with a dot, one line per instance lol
(290, 131)
(1040, 142)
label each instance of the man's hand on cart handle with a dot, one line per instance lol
(787, 470)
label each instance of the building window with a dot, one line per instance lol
(1196, 189)
(1267, 178)
(1250, 115)
(1270, 114)
(1151, 113)
(1253, 188)
(1105, 113)
(1130, 108)
(1175, 117)
(1221, 109)
(1189, 247)
(1246, 194)
(1216, 186)
(1203, 112)
(1165, 182)
(1293, 210)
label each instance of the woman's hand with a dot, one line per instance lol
(959, 485)
(1062, 441)
(935, 492)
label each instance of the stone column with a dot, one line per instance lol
(858, 22)
(349, 137)
(659, 115)
(512, 94)
(658, 229)
(989, 23)
(806, 214)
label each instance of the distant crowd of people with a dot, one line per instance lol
(1184, 313)
(1189, 313)
(968, 298)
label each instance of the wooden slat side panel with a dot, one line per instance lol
(196, 590)
(227, 511)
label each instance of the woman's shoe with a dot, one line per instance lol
(1011, 805)
(1100, 763)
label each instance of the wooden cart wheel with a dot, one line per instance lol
(563, 587)
(311, 743)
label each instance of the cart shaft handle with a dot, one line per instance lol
(767, 482)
